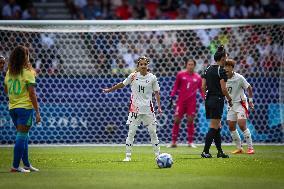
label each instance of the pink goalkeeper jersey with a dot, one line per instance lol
(187, 84)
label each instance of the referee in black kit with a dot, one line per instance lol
(214, 86)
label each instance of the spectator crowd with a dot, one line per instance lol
(174, 9)
(151, 9)
(257, 49)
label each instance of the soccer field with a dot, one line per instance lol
(101, 167)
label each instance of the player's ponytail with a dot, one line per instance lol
(220, 53)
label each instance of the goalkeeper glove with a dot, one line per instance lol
(170, 103)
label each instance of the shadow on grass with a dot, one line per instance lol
(183, 158)
(3, 172)
(120, 161)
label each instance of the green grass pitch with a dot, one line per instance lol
(101, 167)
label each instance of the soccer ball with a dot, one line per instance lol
(164, 160)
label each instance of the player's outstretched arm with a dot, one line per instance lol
(113, 88)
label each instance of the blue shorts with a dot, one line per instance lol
(22, 116)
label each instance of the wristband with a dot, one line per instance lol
(250, 100)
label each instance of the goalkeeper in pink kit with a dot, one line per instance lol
(187, 83)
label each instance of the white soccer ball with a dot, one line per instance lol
(164, 160)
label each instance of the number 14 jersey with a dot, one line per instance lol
(142, 88)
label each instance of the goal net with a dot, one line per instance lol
(75, 60)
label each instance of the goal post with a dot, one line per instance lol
(74, 60)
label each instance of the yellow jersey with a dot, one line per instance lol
(18, 89)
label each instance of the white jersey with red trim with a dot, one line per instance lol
(236, 86)
(142, 88)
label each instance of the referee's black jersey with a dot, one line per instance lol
(213, 74)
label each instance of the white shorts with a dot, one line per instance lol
(237, 111)
(137, 119)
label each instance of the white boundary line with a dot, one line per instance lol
(122, 145)
(69, 26)
(142, 22)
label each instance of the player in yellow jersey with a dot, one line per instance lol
(20, 87)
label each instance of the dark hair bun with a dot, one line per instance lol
(221, 52)
(220, 48)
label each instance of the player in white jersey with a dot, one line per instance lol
(143, 84)
(238, 113)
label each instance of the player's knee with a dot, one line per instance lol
(232, 128)
(132, 129)
(152, 129)
(131, 133)
(190, 120)
(243, 127)
(130, 137)
(177, 120)
(153, 135)
(242, 124)
(232, 125)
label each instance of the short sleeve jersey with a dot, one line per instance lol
(213, 74)
(18, 89)
(236, 86)
(142, 88)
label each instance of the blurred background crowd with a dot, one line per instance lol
(140, 9)
(257, 49)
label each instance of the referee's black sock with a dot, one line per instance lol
(209, 139)
(218, 140)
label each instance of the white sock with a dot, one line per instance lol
(156, 148)
(154, 139)
(128, 150)
(236, 138)
(130, 139)
(248, 138)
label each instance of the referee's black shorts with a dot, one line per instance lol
(214, 107)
